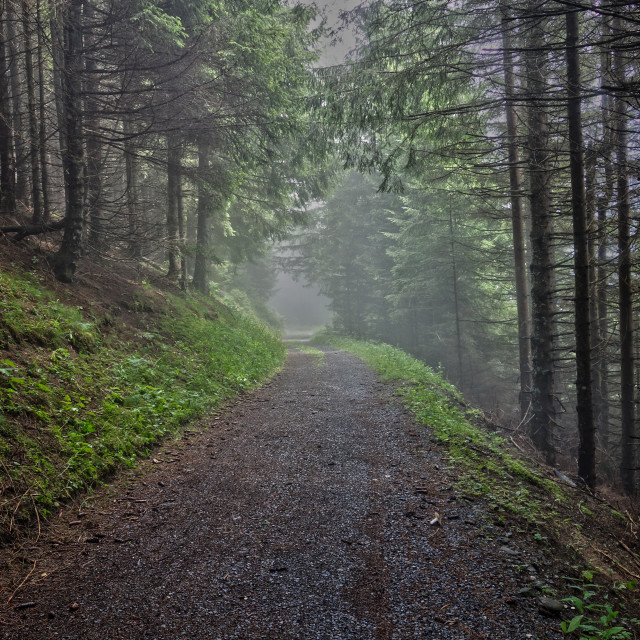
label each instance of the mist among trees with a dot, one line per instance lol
(477, 164)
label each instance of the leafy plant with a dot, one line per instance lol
(594, 621)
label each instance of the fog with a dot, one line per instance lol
(301, 305)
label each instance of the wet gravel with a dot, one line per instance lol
(301, 513)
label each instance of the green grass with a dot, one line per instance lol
(316, 354)
(83, 396)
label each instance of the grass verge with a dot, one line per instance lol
(84, 392)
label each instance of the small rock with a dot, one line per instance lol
(550, 606)
(278, 568)
(527, 592)
(509, 551)
(74, 607)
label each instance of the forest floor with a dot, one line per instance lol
(302, 511)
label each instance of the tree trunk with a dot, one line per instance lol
(70, 251)
(586, 426)
(517, 221)
(603, 204)
(19, 135)
(94, 148)
(32, 116)
(201, 270)
(173, 162)
(42, 117)
(625, 299)
(57, 58)
(7, 159)
(594, 286)
(456, 301)
(542, 263)
(181, 223)
(134, 247)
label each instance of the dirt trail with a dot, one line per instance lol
(301, 513)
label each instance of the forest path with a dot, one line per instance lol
(301, 512)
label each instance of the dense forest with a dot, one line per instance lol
(486, 220)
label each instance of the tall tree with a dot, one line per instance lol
(7, 158)
(586, 426)
(625, 293)
(70, 251)
(517, 215)
(542, 261)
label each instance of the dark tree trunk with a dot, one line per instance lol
(57, 58)
(7, 159)
(97, 240)
(627, 442)
(594, 286)
(19, 134)
(173, 162)
(201, 270)
(542, 262)
(517, 221)
(603, 204)
(70, 251)
(456, 299)
(586, 426)
(181, 223)
(131, 190)
(42, 125)
(32, 116)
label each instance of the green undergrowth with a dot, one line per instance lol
(84, 392)
(490, 470)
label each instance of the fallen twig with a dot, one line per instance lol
(35, 562)
(621, 566)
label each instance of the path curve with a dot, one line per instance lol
(301, 513)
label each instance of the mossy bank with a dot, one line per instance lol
(89, 384)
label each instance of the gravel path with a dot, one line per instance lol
(302, 512)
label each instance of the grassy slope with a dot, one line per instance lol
(87, 388)
(581, 533)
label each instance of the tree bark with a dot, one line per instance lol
(181, 223)
(625, 298)
(42, 124)
(97, 242)
(173, 162)
(32, 117)
(70, 251)
(586, 426)
(542, 263)
(517, 220)
(594, 285)
(7, 159)
(134, 245)
(19, 134)
(201, 270)
(456, 301)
